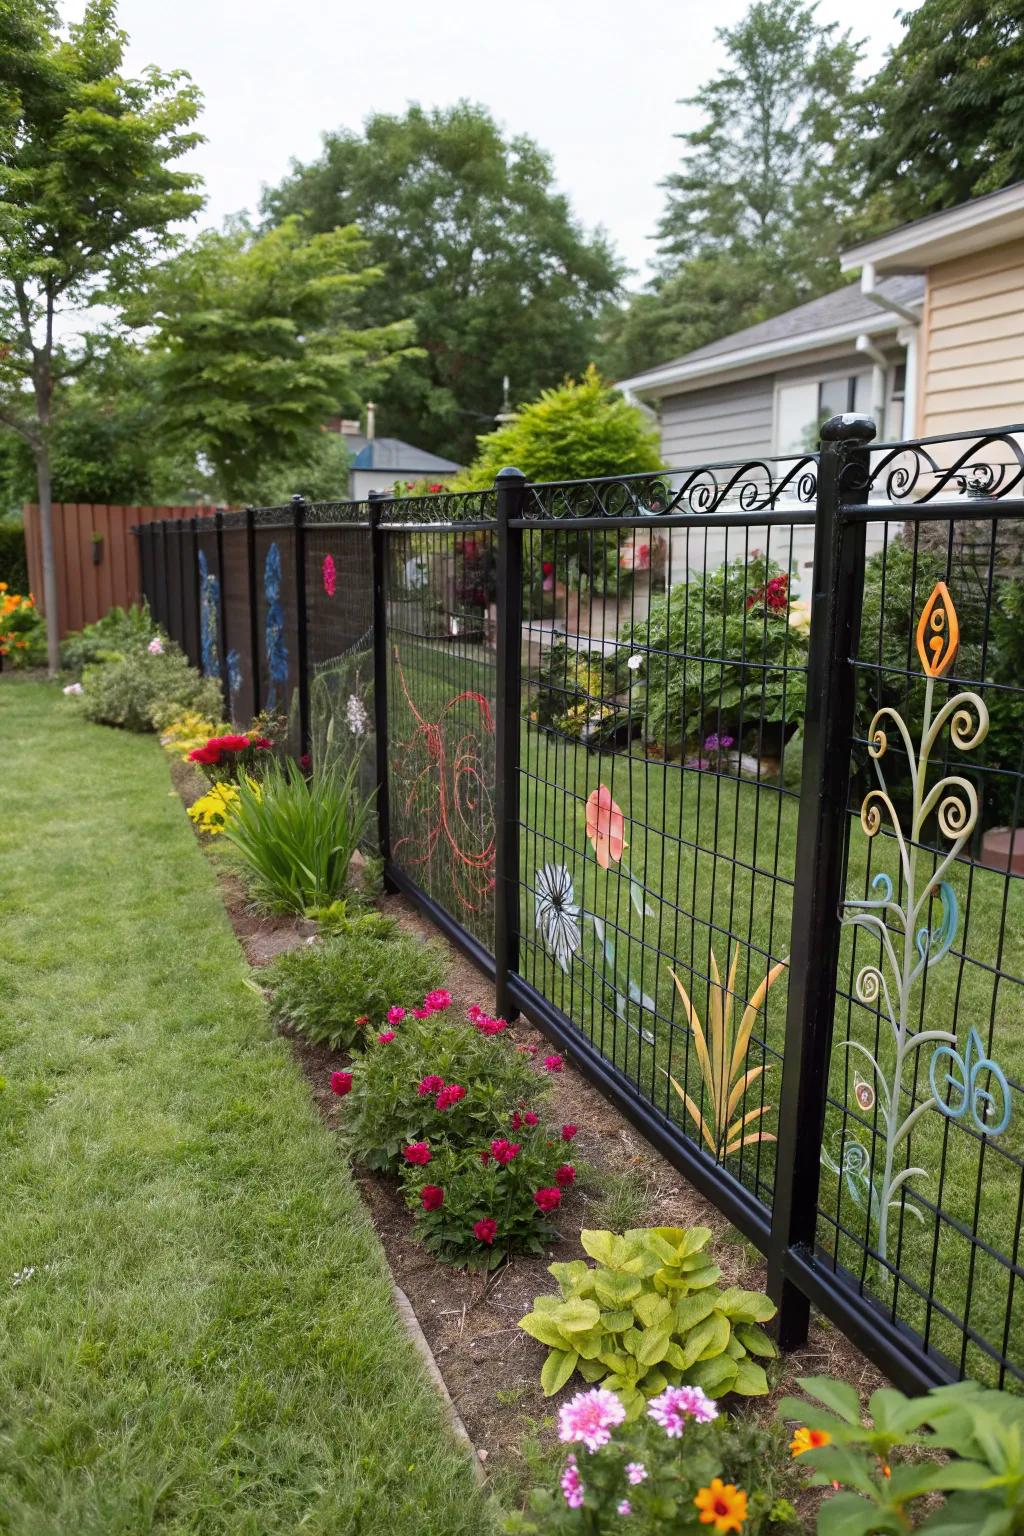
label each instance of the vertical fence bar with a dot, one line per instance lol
(194, 578)
(254, 613)
(380, 671)
(222, 615)
(511, 486)
(838, 587)
(301, 618)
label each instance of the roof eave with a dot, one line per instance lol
(960, 231)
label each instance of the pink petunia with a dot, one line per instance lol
(572, 1484)
(438, 1000)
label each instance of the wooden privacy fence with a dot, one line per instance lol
(97, 559)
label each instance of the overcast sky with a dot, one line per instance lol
(595, 82)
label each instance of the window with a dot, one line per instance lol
(802, 408)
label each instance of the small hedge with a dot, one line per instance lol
(142, 692)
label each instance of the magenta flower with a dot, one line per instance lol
(590, 1417)
(450, 1095)
(623, 1507)
(572, 1483)
(396, 1014)
(330, 575)
(504, 1151)
(553, 1063)
(430, 1084)
(677, 1404)
(386, 1036)
(438, 1001)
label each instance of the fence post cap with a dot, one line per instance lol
(509, 473)
(849, 428)
(298, 499)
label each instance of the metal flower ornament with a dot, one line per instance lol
(910, 945)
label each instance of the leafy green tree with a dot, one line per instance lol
(87, 195)
(260, 337)
(579, 430)
(946, 112)
(478, 249)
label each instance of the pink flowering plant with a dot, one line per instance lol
(491, 1188)
(659, 1473)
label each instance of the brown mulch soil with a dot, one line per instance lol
(491, 1367)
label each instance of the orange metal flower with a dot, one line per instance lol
(722, 1505)
(605, 824)
(808, 1440)
(938, 632)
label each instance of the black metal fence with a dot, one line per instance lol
(718, 774)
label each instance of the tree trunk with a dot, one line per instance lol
(50, 599)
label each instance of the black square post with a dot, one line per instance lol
(301, 618)
(511, 488)
(222, 615)
(254, 608)
(838, 589)
(378, 559)
(196, 595)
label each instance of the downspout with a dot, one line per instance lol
(908, 336)
(867, 347)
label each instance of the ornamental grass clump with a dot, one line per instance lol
(296, 836)
(651, 1315)
(324, 990)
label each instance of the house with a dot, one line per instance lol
(377, 462)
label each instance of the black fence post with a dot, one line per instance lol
(838, 590)
(378, 559)
(195, 593)
(254, 612)
(511, 486)
(165, 582)
(301, 618)
(222, 615)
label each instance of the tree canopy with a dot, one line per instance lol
(478, 249)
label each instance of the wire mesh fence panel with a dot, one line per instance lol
(440, 597)
(277, 620)
(662, 696)
(922, 1191)
(237, 620)
(207, 577)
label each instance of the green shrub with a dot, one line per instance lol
(396, 1087)
(359, 972)
(13, 556)
(145, 693)
(119, 632)
(651, 1315)
(580, 692)
(296, 836)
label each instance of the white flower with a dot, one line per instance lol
(635, 663)
(155, 646)
(73, 689)
(356, 716)
(557, 915)
(800, 615)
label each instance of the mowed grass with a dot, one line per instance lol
(196, 1326)
(714, 859)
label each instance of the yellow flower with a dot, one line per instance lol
(722, 1505)
(808, 1440)
(212, 811)
(800, 615)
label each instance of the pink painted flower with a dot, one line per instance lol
(572, 1484)
(548, 1199)
(418, 1153)
(386, 1036)
(330, 575)
(430, 1084)
(438, 1001)
(677, 1404)
(431, 1197)
(485, 1231)
(450, 1095)
(396, 1014)
(569, 1131)
(504, 1151)
(341, 1083)
(565, 1175)
(605, 824)
(553, 1063)
(623, 1507)
(590, 1417)
(636, 1472)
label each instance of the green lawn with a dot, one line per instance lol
(196, 1331)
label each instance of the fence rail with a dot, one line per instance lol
(718, 774)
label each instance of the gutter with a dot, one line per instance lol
(909, 337)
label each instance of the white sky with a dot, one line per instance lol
(595, 82)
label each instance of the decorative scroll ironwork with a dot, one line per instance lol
(988, 465)
(910, 944)
(347, 512)
(754, 485)
(440, 507)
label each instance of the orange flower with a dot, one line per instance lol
(604, 827)
(722, 1505)
(808, 1440)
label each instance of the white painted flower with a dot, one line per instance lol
(73, 689)
(356, 717)
(635, 663)
(155, 646)
(557, 914)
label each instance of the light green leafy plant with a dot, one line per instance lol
(649, 1316)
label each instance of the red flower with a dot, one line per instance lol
(438, 1001)
(488, 1026)
(386, 1037)
(341, 1083)
(431, 1084)
(565, 1175)
(431, 1196)
(504, 1151)
(485, 1231)
(569, 1131)
(547, 567)
(548, 1199)
(362, 1021)
(475, 1013)
(263, 742)
(485, 1157)
(306, 762)
(417, 1152)
(209, 755)
(230, 743)
(450, 1095)
(530, 1118)
(553, 1063)
(422, 1013)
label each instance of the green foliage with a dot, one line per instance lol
(734, 1448)
(577, 694)
(13, 556)
(651, 1315)
(260, 337)
(296, 836)
(886, 1466)
(728, 612)
(572, 432)
(144, 693)
(386, 1111)
(478, 1190)
(945, 115)
(357, 972)
(478, 249)
(118, 633)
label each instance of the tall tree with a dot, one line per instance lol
(478, 249)
(259, 338)
(87, 195)
(946, 112)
